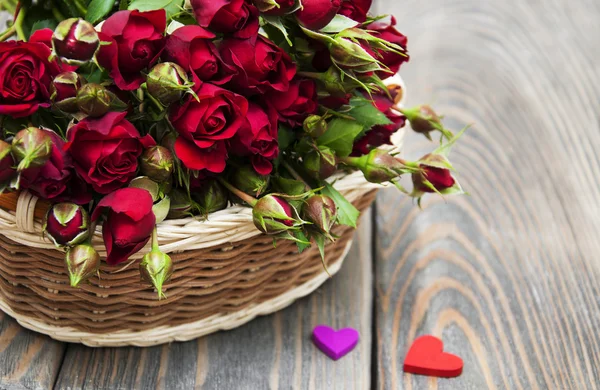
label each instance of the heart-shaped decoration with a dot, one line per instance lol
(335, 344)
(427, 357)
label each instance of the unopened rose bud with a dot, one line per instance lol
(31, 147)
(75, 41)
(7, 164)
(181, 205)
(82, 262)
(378, 166)
(321, 163)
(211, 197)
(157, 163)
(273, 215)
(274, 7)
(64, 89)
(316, 14)
(246, 179)
(315, 126)
(66, 224)
(94, 100)
(145, 183)
(321, 211)
(350, 55)
(156, 268)
(434, 176)
(167, 82)
(424, 120)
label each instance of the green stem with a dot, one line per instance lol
(80, 7)
(295, 174)
(57, 15)
(155, 239)
(8, 33)
(240, 194)
(19, 24)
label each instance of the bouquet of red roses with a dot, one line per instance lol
(127, 113)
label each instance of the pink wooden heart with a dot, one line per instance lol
(335, 344)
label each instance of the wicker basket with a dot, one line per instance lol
(226, 273)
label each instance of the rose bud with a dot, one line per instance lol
(129, 222)
(321, 163)
(82, 262)
(378, 166)
(181, 205)
(156, 268)
(321, 211)
(246, 179)
(315, 126)
(274, 7)
(75, 41)
(7, 163)
(316, 14)
(93, 100)
(167, 82)
(350, 55)
(211, 197)
(64, 89)
(66, 224)
(435, 176)
(424, 120)
(157, 163)
(273, 215)
(31, 147)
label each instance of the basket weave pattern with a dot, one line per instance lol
(216, 280)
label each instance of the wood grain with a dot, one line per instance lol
(507, 277)
(270, 352)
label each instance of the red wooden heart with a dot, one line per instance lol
(427, 357)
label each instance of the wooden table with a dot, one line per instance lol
(507, 277)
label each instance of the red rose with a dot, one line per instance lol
(227, 16)
(25, 76)
(56, 179)
(380, 135)
(129, 222)
(105, 150)
(356, 9)
(258, 139)
(316, 14)
(136, 41)
(205, 125)
(191, 48)
(260, 64)
(388, 32)
(297, 103)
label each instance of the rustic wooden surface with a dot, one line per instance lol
(506, 277)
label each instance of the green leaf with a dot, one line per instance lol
(171, 6)
(340, 136)
(320, 241)
(339, 23)
(98, 9)
(276, 22)
(444, 149)
(302, 243)
(41, 24)
(347, 213)
(366, 113)
(285, 137)
(123, 5)
(288, 186)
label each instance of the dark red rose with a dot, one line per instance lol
(380, 135)
(227, 16)
(260, 64)
(105, 150)
(129, 222)
(387, 32)
(42, 36)
(56, 179)
(66, 224)
(316, 14)
(25, 76)
(258, 138)
(191, 48)
(335, 102)
(356, 9)
(440, 178)
(297, 103)
(205, 125)
(136, 41)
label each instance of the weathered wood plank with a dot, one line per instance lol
(509, 276)
(270, 352)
